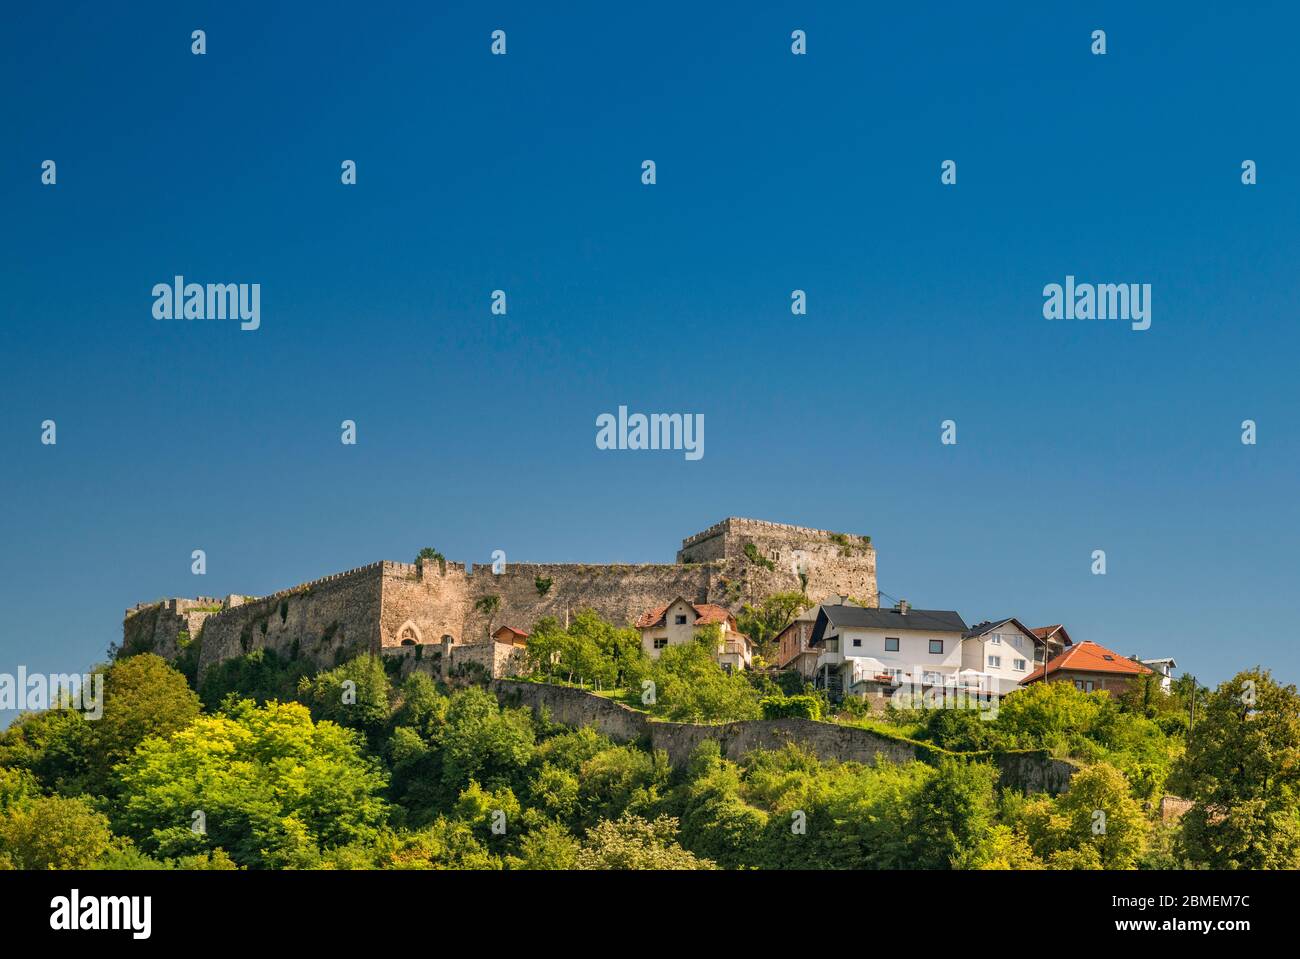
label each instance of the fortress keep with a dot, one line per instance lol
(437, 603)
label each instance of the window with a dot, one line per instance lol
(680, 620)
(661, 642)
(857, 642)
(1089, 686)
(995, 662)
(891, 644)
(1019, 664)
(996, 639)
(936, 646)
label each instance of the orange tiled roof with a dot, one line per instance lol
(1088, 657)
(518, 632)
(707, 613)
(711, 613)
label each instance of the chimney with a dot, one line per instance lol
(903, 606)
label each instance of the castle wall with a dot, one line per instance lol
(367, 608)
(324, 620)
(165, 627)
(617, 593)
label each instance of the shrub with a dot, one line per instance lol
(787, 707)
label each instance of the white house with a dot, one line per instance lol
(1164, 668)
(677, 622)
(1003, 649)
(860, 646)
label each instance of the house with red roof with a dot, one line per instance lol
(1091, 667)
(676, 623)
(1056, 637)
(511, 636)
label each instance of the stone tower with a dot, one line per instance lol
(758, 558)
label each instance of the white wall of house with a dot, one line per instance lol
(913, 649)
(1006, 652)
(672, 632)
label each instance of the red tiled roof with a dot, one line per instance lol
(652, 617)
(1044, 632)
(711, 613)
(1088, 657)
(706, 612)
(518, 632)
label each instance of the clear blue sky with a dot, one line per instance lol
(775, 172)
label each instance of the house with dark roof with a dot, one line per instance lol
(860, 647)
(1091, 667)
(1005, 650)
(678, 622)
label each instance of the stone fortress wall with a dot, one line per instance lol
(387, 604)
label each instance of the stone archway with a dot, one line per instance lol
(408, 634)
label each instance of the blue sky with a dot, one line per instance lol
(775, 172)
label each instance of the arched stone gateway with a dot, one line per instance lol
(408, 634)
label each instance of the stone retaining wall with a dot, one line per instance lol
(1033, 771)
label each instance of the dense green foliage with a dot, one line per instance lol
(351, 769)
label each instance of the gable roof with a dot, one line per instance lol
(865, 617)
(705, 613)
(515, 632)
(979, 629)
(1088, 657)
(1048, 632)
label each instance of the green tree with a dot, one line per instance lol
(762, 623)
(53, 832)
(548, 847)
(483, 742)
(355, 695)
(1051, 715)
(1097, 813)
(716, 821)
(953, 815)
(56, 748)
(143, 698)
(273, 786)
(1242, 771)
(631, 842)
(692, 687)
(262, 676)
(488, 606)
